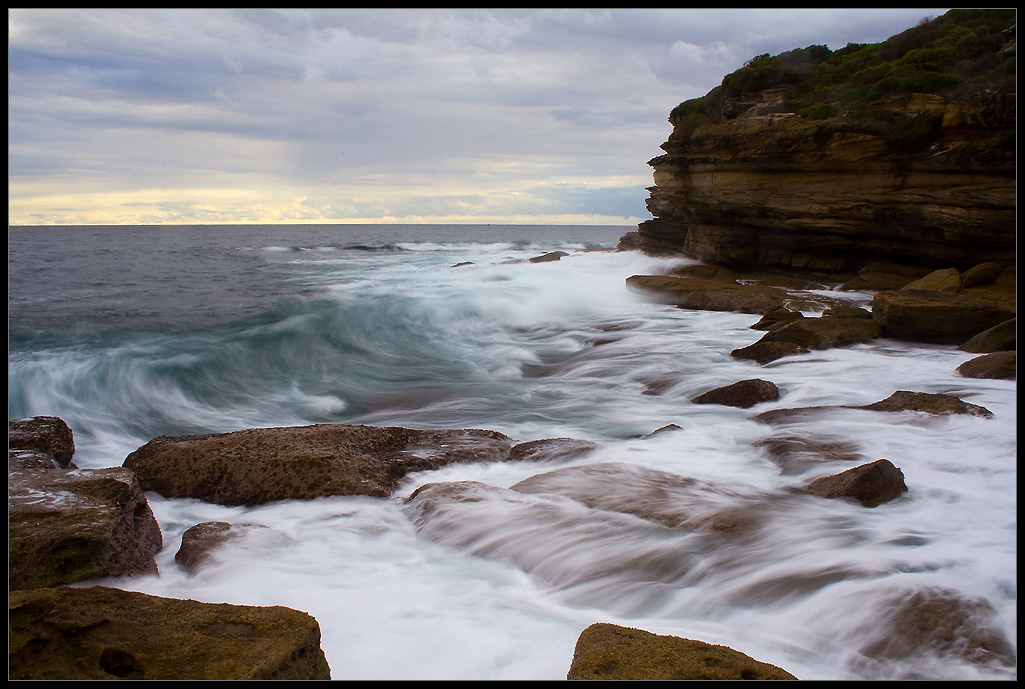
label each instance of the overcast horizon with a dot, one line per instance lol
(515, 116)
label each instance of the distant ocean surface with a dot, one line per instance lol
(128, 333)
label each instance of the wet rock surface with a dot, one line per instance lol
(870, 484)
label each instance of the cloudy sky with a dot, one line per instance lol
(526, 116)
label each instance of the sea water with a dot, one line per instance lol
(128, 333)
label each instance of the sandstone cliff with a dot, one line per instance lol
(901, 151)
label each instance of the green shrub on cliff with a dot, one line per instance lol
(963, 52)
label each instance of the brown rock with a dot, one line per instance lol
(608, 651)
(795, 454)
(199, 540)
(48, 434)
(999, 365)
(981, 274)
(709, 294)
(260, 465)
(550, 256)
(777, 318)
(936, 317)
(930, 403)
(550, 449)
(103, 633)
(68, 526)
(870, 484)
(943, 280)
(885, 276)
(999, 338)
(765, 352)
(942, 623)
(743, 394)
(825, 332)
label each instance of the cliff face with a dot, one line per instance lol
(831, 160)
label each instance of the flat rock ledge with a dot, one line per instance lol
(105, 633)
(608, 651)
(261, 465)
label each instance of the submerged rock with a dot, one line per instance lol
(199, 541)
(609, 651)
(103, 633)
(795, 454)
(940, 622)
(66, 526)
(870, 484)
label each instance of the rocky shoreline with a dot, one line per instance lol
(69, 525)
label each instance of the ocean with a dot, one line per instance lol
(129, 333)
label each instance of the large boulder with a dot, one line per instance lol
(870, 484)
(260, 465)
(936, 317)
(743, 394)
(609, 651)
(103, 633)
(47, 434)
(68, 526)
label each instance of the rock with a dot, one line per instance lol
(30, 459)
(870, 484)
(47, 434)
(981, 274)
(661, 383)
(846, 310)
(824, 332)
(765, 352)
(999, 338)
(66, 526)
(260, 465)
(777, 318)
(550, 449)
(550, 256)
(939, 622)
(608, 651)
(743, 394)
(884, 276)
(936, 317)
(198, 541)
(104, 633)
(944, 280)
(795, 454)
(999, 365)
(709, 295)
(929, 403)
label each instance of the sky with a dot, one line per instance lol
(228, 116)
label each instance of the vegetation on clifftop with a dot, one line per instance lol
(963, 52)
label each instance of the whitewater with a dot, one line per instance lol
(129, 333)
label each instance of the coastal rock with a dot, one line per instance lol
(200, 540)
(939, 622)
(795, 454)
(878, 276)
(709, 295)
(870, 484)
(929, 403)
(824, 332)
(943, 280)
(777, 318)
(743, 394)
(548, 257)
(103, 633)
(550, 449)
(66, 526)
(981, 274)
(260, 465)
(608, 651)
(999, 338)
(46, 434)
(1000, 365)
(936, 317)
(765, 352)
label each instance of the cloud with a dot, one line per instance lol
(178, 114)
